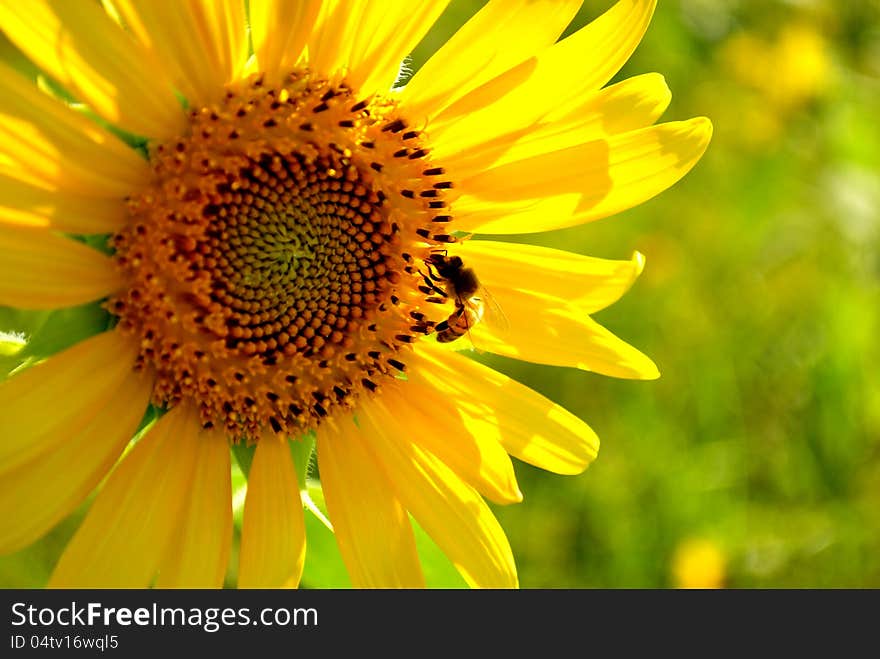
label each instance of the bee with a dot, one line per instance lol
(473, 303)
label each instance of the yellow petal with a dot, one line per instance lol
(65, 454)
(601, 47)
(202, 44)
(433, 423)
(329, 44)
(386, 34)
(87, 52)
(584, 182)
(500, 36)
(372, 528)
(528, 425)
(627, 105)
(550, 330)
(580, 64)
(449, 511)
(40, 206)
(273, 536)
(280, 30)
(132, 521)
(587, 282)
(60, 383)
(199, 550)
(44, 142)
(555, 81)
(41, 270)
(523, 125)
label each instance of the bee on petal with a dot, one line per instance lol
(473, 302)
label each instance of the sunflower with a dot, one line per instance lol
(282, 235)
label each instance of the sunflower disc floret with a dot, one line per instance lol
(273, 262)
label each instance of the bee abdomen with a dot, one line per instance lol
(449, 335)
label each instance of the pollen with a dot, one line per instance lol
(274, 265)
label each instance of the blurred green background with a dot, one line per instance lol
(755, 460)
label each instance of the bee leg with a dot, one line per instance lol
(433, 272)
(436, 277)
(431, 286)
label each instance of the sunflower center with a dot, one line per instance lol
(276, 261)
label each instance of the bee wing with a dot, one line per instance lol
(490, 312)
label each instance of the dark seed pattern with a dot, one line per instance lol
(273, 263)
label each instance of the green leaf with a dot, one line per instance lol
(23, 321)
(150, 417)
(239, 492)
(302, 449)
(244, 455)
(100, 242)
(11, 345)
(17, 326)
(66, 327)
(45, 332)
(324, 567)
(313, 502)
